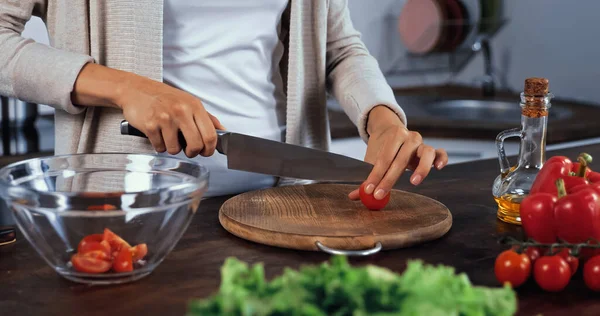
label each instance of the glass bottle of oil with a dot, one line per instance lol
(514, 182)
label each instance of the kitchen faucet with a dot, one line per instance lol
(487, 86)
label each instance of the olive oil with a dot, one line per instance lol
(515, 180)
(509, 206)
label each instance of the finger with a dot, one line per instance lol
(216, 123)
(354, 195)
(208, 133)
(194, 143)
(427, 156)
(397, 167)
(154, 136)
(169, 134)
(385, 156)
(441, 158)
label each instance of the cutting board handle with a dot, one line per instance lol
(366, 252)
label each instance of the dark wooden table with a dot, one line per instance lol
(29, 287)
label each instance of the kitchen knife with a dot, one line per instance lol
(258, 155)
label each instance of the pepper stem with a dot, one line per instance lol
(584, 160)
(560, 187)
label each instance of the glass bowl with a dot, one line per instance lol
(147, 200)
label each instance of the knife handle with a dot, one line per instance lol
(128, 129)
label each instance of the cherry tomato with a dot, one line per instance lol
(370, 201)
(103, 207)
(89, 264)
(106, 246)
(591, 273)
(552, 273)
(123, 261)
(89, 238)
(533, 253)
(116, 242)
(99, 250)
(138, 252)
(572, 261)
(512, 267)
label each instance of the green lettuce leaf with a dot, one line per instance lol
(336, 288)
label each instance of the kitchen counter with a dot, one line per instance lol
(582, 124)
(30, 287)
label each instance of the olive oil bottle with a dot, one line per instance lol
(514, 182)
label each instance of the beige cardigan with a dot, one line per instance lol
(324, 53)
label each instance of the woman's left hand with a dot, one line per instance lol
(393, 149)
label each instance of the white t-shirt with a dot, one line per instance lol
(227, 53)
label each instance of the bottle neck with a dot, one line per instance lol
(533, 143)
(534, 123)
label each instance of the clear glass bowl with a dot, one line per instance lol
(149, 199)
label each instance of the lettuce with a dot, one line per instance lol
(336, 288)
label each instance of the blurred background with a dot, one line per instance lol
(457, 67)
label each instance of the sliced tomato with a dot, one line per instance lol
(106, 246)
(95, 247)
(123, 261)
(89, 264)
(116, 243)
(89, 238)
(138, 252)
(102, 207)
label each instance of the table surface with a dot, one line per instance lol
(191, 270)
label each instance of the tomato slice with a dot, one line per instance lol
(138, 252)
(124, 261)
(89, 238)
(89, 264)
(370, 201)
(100, 250)
(102, 207)
(116, 243)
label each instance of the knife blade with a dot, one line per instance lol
(259, 155)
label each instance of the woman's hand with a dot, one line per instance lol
(392, 149)
(156, 109)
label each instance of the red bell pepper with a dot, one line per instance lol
(577, 215)
(574, 217)
(573, 174)
(537, 217)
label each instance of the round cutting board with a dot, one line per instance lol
(300, 217)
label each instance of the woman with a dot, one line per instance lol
(257, 67)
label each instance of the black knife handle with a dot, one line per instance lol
(128, 129)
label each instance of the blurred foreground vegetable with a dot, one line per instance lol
(337, 288)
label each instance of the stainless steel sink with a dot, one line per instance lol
(484, 110)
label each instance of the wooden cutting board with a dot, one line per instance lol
(298, 217)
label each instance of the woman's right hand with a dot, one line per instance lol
(156, 109)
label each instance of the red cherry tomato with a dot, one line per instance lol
(102, 207)
(370, 201)
(138, 252)
(591, 273)
(97, 249)
(89, 264)
(572, 261)
(123, 261)
(116, 242)
(552, 273)
(512, 267)
(89, 238)
(533, 253)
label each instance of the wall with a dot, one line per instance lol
(556, 39)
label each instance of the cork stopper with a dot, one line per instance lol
(536, 86)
